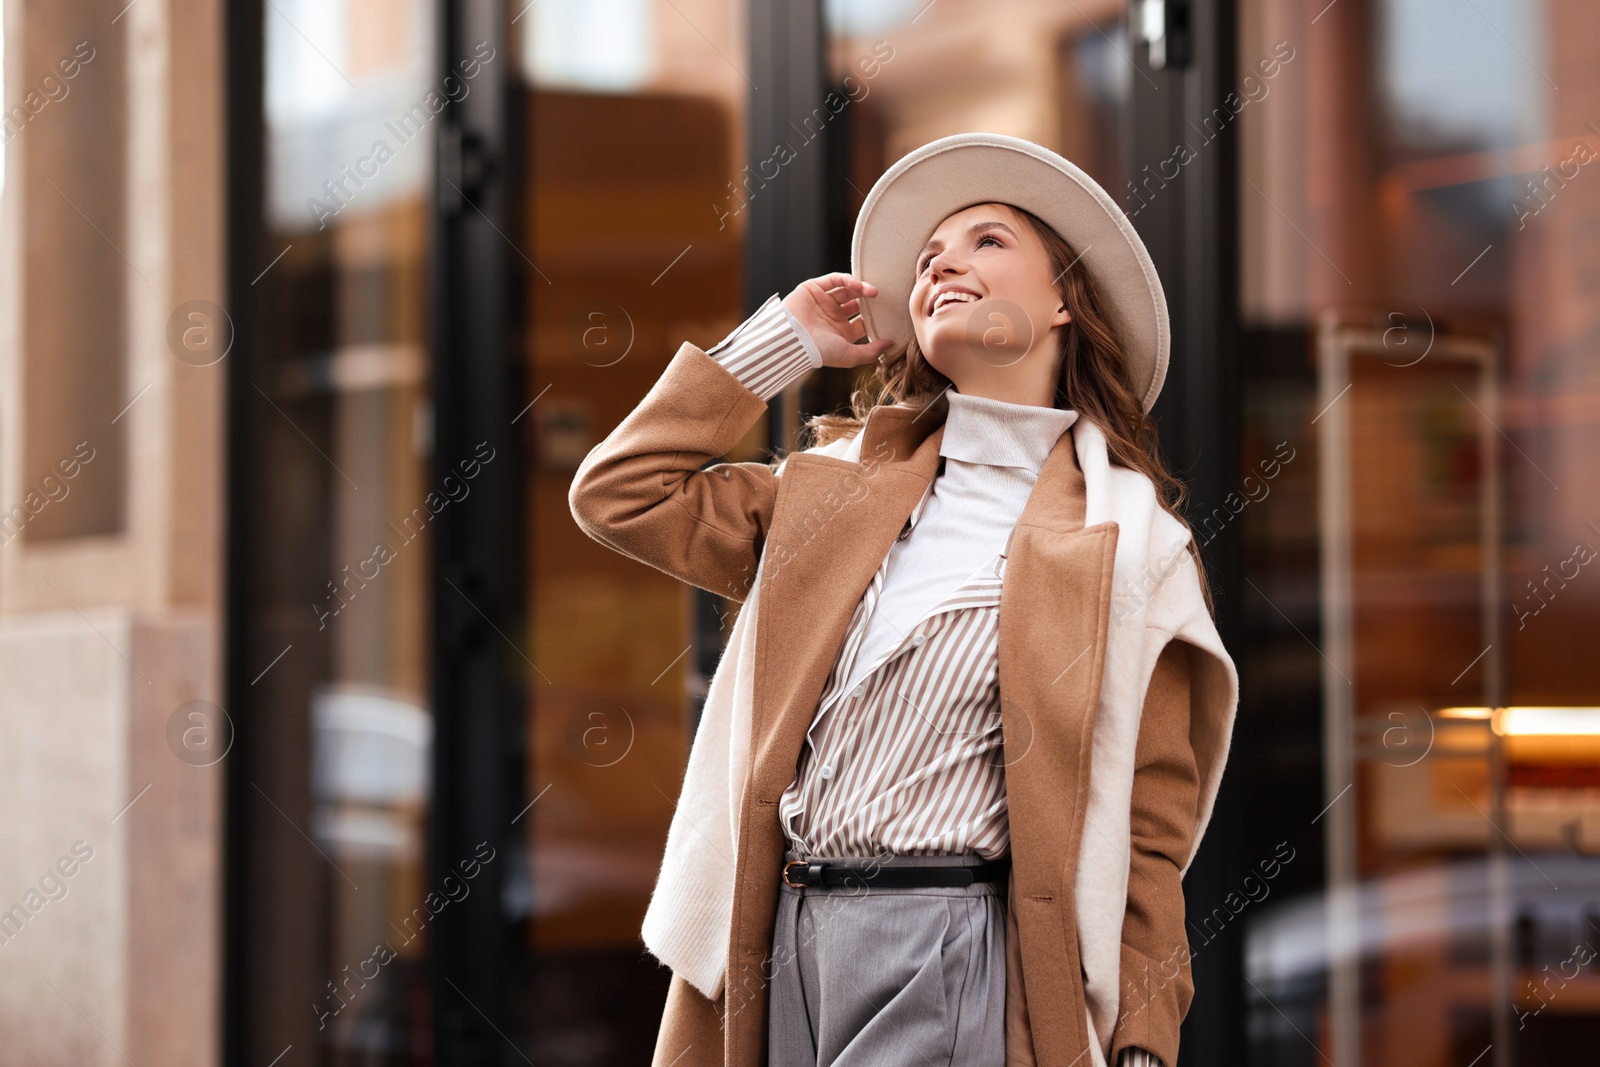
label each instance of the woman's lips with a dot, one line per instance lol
(968, 297)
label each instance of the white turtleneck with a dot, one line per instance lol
(993, 451)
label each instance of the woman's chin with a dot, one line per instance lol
(945, 345)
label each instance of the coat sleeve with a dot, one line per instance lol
(642, 491)
(1156, 983)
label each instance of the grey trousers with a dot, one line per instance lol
(889, 977)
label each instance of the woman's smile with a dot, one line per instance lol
(948, 294)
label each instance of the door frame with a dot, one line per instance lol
(1192, 231)
(478, 290)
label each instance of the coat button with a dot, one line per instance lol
(919, 639)
(825, 771)
(858, 690)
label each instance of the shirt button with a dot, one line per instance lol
(825, 771)
(919, 639)
(858, 690)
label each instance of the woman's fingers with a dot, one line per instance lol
(830, 307)
(840, 280)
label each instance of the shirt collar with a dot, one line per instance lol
(980, 429)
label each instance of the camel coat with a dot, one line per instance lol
(1099, 941)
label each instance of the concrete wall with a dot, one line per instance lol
(109, 912)
(110, 222)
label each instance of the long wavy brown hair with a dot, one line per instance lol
(1094, 382)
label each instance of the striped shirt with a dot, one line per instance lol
(905, 752)
(910, 759)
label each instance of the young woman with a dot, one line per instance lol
(973, 714)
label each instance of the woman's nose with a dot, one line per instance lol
(944, 263)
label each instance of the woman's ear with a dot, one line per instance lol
(1061, 317)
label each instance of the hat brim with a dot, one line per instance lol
(927, 185)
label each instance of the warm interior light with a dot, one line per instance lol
(1531, 721)
(1463, 713)
(1546, 721)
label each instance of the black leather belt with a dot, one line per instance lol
(800, 873)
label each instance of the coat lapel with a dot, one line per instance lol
(833, 522)
(1054, 613)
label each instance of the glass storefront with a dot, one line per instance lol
(1418, 292)
(633, 132)
(338, 747)
(1413, 816)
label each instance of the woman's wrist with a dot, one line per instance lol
(812, 351)
(769, 351)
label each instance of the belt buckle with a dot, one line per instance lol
(786, 866)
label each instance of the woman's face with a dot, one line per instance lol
(984, 299)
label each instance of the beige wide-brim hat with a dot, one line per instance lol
(927, 185)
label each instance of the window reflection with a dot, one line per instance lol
(339, 922)
(598, 45)
(1057, 75)
(1417, 178)
(633, 128)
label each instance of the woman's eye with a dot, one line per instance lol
(922, 264)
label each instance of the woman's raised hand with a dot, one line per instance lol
(825, 307)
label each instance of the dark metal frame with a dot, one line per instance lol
(242, 178)
(786, 242)
(1191, 228)
(477, 571)
(475, 278)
